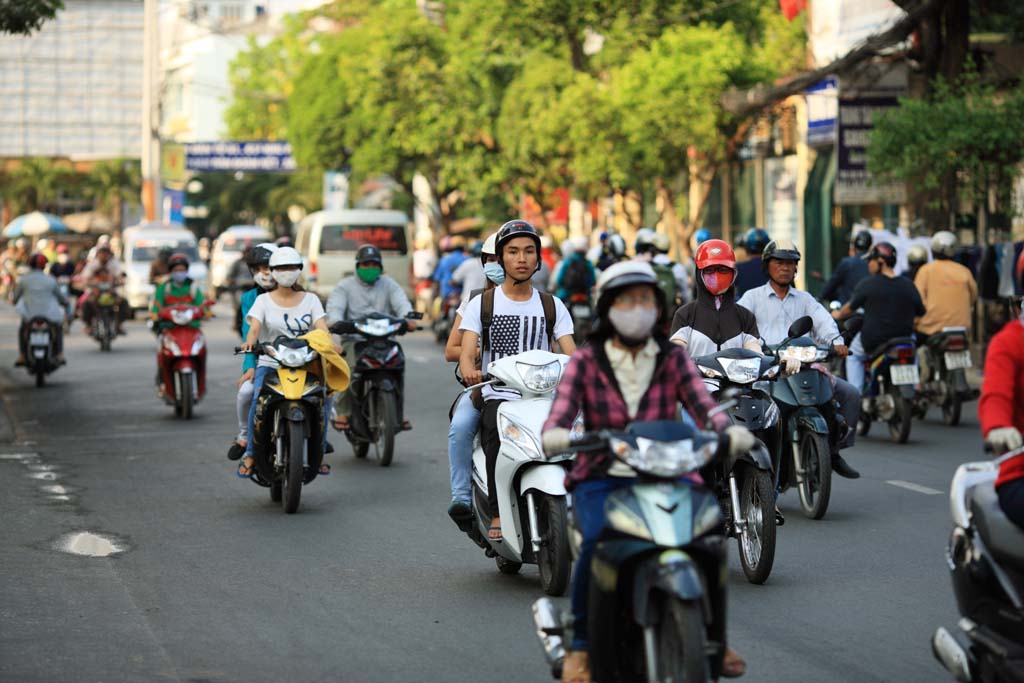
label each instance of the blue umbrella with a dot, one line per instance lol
(35, 223)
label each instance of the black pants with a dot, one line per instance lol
(1011, 499)
(56, 333)
(490, 439)
(90, 309)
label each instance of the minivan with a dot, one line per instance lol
(328, 241)
(143, 244)
(228, 248)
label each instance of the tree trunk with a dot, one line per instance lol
(956, 24)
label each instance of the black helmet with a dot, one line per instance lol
(755, 240)
(861, 242)
(782, 249)
(177, 259)
(511, 230)
(884, 251)
(258, 256)
(368, 254)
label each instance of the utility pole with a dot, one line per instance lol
(151, 188)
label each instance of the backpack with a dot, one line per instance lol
(487, 315)
(667, 283)
(576, 276)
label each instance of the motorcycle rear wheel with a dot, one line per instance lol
(680, 640)
(951, 411)
(293, 467)
(555, 559)
(757, 542)
(816, 487)
(899, 425)
(385, 424)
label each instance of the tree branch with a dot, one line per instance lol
(743, 103)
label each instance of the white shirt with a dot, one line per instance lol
(633, 373)
(276, 321)
(516, 326)
(469, 274)
(775, 315)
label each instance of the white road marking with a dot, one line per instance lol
(911, 486)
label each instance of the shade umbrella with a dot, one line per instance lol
(35, 223)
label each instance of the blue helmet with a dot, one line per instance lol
(702, 235)
(755, 240)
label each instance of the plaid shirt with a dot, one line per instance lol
(589, 385)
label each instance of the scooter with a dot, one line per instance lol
(745, 486)
(986, 559)
(181, 358)
(532, 500)
(812, 424)
(656, 608)
(39, 361)
(64, 282)
(445, 319)
(104, 326)
(582, 316)
(288, 432)
(890, 376)
(948, 356)
(378, 375)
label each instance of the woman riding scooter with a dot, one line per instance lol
(628, 373)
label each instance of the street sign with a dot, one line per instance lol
(335, 190)
(257, 156)
(854, 184)
(822, 109)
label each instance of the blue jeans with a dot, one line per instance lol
(257, 386)
(855, 364)
(588, 499)
(465, 419)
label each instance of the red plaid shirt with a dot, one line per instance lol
(589, 385)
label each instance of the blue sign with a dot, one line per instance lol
(174, 202)
(822, 110)
(257, 156)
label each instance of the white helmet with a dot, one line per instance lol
(580, 244)
(944, 243)
(285, 256)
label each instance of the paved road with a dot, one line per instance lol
(371, 582)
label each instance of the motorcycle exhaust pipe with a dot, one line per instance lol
(952, 655)
(549, 632)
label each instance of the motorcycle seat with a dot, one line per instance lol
(1005, 540)
(896, 341)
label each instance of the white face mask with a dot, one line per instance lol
(285, 278)
(265, 280)
(62, 258)
(633, 323)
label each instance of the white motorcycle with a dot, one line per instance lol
(532, 500)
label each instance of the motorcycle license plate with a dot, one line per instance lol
(38, 353)
(580, 311)
(958, 359)
(904, 374)
(107, 299)
(39, 339)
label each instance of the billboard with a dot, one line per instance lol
(853, 181)
(255, 156)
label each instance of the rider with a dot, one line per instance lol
(613, 251)
(465, 415)
(629, 372)
(850, 271)
(104, 261)
(948, 290)
(714, 321)
(37, 295)
(917, 256)
(176, 290)
(470, 274)
(575, 273)
(890, 305)
(777, 305)
(258, 260)
(368, 291)
(520, 319)
(448, 264)
(749, 273)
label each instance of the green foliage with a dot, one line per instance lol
(111, 182)
(25, 16)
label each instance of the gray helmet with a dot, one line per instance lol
(944, 243)
(917, 255)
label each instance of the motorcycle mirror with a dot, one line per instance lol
(834, 305)
(415, 315)
(853, 325)
(342, 327)
(801, 326)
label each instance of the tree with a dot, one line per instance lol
(110, 183)
(35, 184)
(25, 16)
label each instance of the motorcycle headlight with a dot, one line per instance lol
(709, 372)
(172, 346)
(198, 345)
(741, 370)
(377, 327)
(804, 354)
(665, 459)
(182, 316)
(540, 378)
(510, 431)
(291, 358)
(578, 428)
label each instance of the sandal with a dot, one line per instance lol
(245, 471)
(324, 470)
(495, 527)
(733, 665)
(576, 667)
(340, 423)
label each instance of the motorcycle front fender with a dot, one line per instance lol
(548, 479)
(294, 412)
(808, 419)
(386, 384)
(672, 572)
(758, 456)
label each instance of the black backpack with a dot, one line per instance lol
(576, 276)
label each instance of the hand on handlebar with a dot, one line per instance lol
(556, 440)
(792, 366)
(1004, 439)
(246, 347)
(411, 326)
(842, 350)
(741, 439)
(472, 377)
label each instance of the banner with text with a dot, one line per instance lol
(257, 156)
(853, 181)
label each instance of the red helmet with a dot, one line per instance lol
(62, 248)
(714, 253)
(37, 261)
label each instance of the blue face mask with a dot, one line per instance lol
(494, 272)
(179, 276)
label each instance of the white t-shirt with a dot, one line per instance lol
(516, 326)
(470, 275)
(276, 321)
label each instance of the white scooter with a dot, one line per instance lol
(532, 500)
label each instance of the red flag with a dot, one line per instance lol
(791, 8)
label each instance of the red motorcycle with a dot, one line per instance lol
(181, 357)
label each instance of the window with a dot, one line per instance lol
(387, 238)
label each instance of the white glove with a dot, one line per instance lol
(1004, 439)
(740, 440)
(556, 440)
(792, 366)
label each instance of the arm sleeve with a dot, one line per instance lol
(996, 405)
(568, 396)
(198, 300)
(679, 319)
(248, 359)
(471, 317)
(859, 296)
(337, 303)
(158, 298)
(830, 289)
(563, 321)
(258, 309)
(919, 308)
(825, 328)
(316, 308)
(398, 301)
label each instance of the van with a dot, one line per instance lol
(140, 247)
(228, 248)
(328, 241)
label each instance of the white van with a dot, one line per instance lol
(228, 248)
(140, 247)
(328, 241)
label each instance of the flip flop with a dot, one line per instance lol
(324, 470)
(241, 466)
(497, 539)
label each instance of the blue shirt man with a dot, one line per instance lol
(445, 270)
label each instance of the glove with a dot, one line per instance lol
(792, 366)
(1004, 439)
(740, 440)
(555, 441)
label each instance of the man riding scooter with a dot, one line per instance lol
(104, 262)
(37, 295)
(777, 305)
(850, 271)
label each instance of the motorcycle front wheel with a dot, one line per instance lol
(40, 376)
(681, 655)
(815, 485)
(757, 542)
(903, 414)
(554, 560)
(184, 398)
(295, 442)
(385, 418)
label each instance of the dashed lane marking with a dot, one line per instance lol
(911, 486)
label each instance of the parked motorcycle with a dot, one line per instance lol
(288, 432)
(378, 373)
(656, 608)
(532, 499)
(582, 316)
(39, 361)
(888, 396)
(181, 357)
(104, 325)
(812, 423)
(745, 486)
(986, 559)
(948, 356)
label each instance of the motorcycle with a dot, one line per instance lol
(745, 486)
(812, 425)
(377, 379)
(444, 321)
(656, 608)
(39, 361)
(986, 560)
(582, 316)
(532, 499)
(948, 355)
(181, 358)
(288, 432)
(104, 325)
(64, 282)
(890, 377)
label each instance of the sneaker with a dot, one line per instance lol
(842, 468)
(462, 514)
(236, 451)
